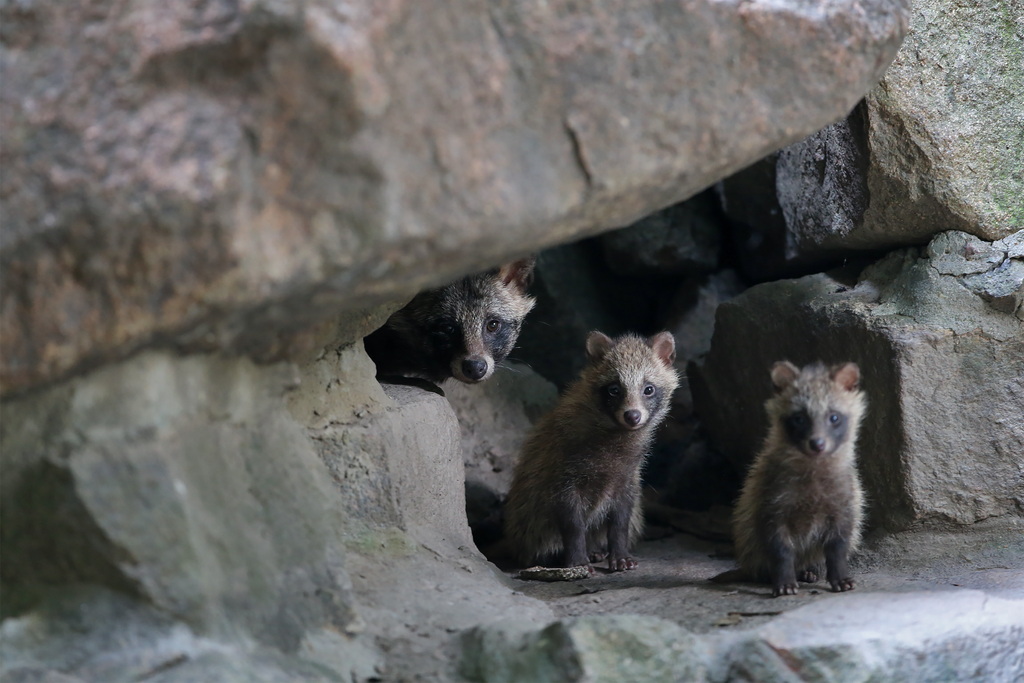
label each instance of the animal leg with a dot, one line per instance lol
(837, 572)
(783, 572)
(574, 536)
(618, 535)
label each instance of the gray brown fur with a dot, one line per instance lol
(576, 488)
(462, 330)
(801, 506)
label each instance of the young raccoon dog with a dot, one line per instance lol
(461, 330)
(576, 486)
(801, 504)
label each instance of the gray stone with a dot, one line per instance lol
(756, 224)
(398, 473)
(494, 419)
(1014, 245)
(690, 315)
(84, 634)
(606, 648)
(946, 125)
(959, 253)
(224, 175)
(923, 636)
(937, 145)
(1002, 287)
(821, 184)
(399, 467)
(891, 637)
(943, 371)
(235, 511)
(182, 482)
(680, 240)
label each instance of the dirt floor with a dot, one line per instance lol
(672, 582)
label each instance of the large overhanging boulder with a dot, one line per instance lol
(214, 174)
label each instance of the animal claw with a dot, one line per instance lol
(784, 589)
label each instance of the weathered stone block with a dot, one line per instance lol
(607, 648)
(495, 418)
(184, 483)
(937, 145)
(943, 370)
(221, 174)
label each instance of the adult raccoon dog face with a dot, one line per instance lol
(461, 330)
(633, 377)
(816, 406)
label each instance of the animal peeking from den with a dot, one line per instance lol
(575, 493)
(461, 330)
(801, 506)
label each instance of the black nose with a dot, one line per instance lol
(632, 417)
(474, 368)
(816, 445)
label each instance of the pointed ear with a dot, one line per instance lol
(847, 376)
(664, 345)
(518, 273)
(598, 344)
(784, 373)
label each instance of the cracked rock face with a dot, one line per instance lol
(939, 336)
(216, 175)
(936, 145)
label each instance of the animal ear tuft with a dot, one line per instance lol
(784, 374)
(664, 345)
(598, 344)
(518, 273)
(847, 376)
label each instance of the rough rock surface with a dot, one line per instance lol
(690, 315)
(494, 419)
(184, 484)
(936, 145)
(205, 518)
(680, 240)
(943, 369)
(872, 636)
(217, 175)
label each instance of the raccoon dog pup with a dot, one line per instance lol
(801, 504)
(576, 486)
(461, 330)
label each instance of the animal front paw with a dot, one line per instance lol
(598, 555)
(840, 585)
(621, 564)
(784, 589)
(808, 576)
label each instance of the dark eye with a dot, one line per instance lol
(835, 418)
(613, 390)
(492, 325)
(648, 390)
(798, 420)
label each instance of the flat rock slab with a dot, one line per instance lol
(217, 175)
(947, 619)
